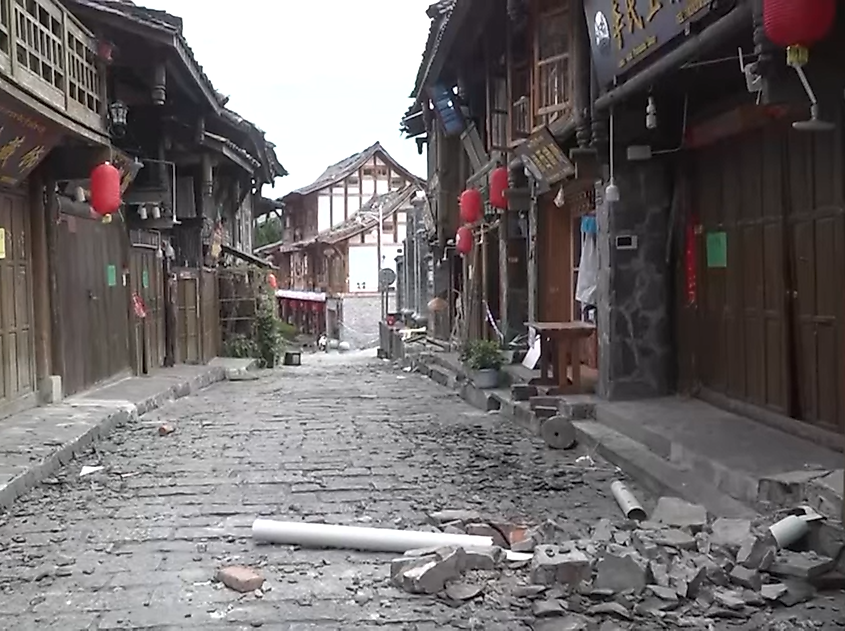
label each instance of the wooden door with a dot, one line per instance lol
(93, 301)
(147, 282)
(816, 270)
(17, 351)
(740, 338)
(555, 262)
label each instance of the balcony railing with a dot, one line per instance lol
(46, 50)
(520, 119)
(553, 89)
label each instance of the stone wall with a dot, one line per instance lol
(635, 337)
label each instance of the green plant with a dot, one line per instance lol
(240, 346)
(484, 355)
(267, 329)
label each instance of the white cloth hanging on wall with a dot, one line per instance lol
(586, 288)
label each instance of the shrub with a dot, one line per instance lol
(484, 355)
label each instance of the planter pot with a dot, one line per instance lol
(486, 378)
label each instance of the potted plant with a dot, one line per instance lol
(484, 360)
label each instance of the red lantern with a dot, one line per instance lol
(271, 280)
(798, 22)
(463, 240)
(472, 206)
(105, 189)
(498, 186)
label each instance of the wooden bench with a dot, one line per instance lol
(560, 350)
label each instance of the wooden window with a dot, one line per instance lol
(4, 29)
(519, 87)
(40, 46)
(497, 108)
(552, 69)
(83, 78)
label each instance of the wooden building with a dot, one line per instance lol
(506, 84)
(333, 246)
(88, 299)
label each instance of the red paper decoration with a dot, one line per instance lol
(798, 22)
(472, 206)
(691, 264)
(498, 186)
(105, 189)
(463, 240)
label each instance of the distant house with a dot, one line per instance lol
(330, 254)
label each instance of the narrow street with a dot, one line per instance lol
(342, 439)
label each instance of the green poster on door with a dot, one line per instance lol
(111, 275)
(145, 279)
(717, 249)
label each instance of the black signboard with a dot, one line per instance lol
(25, 140)
(625, 32)
(448, 110)
(544, 157)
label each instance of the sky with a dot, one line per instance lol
(324, 79)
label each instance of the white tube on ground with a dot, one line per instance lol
(629, 504)
(789, 530)
(359, 538)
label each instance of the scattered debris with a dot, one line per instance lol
(240, 579)
(88, 470)
(166, 429)
(675, 512)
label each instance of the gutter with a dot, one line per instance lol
(711, 37)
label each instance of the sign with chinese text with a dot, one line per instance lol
(25, 140)
(625, 32)
(544, 157)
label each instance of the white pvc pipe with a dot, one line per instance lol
(629, 504)
(358, 538)
(789, 530)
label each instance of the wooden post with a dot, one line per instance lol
(41, 279)
(504, 280)
(533, 263)
(51, 230)
(169, 313)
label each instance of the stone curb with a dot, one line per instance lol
(650, 470)
(127, 412)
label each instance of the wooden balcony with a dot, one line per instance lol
(47, 51)
(553, 90)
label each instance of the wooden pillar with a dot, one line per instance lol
(41, 285)
(533, 262)
(51, 231)
(504, 280)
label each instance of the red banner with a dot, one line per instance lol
(690, 263)
(139, 306)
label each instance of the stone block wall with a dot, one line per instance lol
(636, 356)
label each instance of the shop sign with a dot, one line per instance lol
(544, 157)
(25, 140)
(625, 32)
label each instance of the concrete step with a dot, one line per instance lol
(738, 477)
(656, 474)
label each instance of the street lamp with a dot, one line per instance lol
(118, 114)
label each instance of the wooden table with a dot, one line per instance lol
(560, 348)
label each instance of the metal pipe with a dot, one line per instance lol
(629, 504)
(359, 538)
(714, 35)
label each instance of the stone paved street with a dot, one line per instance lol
(346, 440)
(135, 546)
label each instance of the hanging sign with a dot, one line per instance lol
(625, 32)
(25, 140)
(544, 157)
(717, 250)
(690, 256)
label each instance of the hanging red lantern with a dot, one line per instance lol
(498, 186)
(792, 23)
(463, 240)
(105, 189)
(271, 280)
(472, 206)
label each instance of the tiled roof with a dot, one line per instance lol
(172, 24)
(346, 167)
(362, 221)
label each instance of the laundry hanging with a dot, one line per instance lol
(586, 287)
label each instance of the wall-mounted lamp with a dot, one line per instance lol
(118, 114)
(142, 212)
(155, 213)
(651, 114)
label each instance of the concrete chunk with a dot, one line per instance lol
(486, 530)
(731, 533)
(482, 558)
(431, 577)
(621, 569)
(674, 538)
(523, 391)
(744, 577)
(677, 513)
(455, 515)
(805, 565)
(551, 565)
(757, 553)
(400, 565)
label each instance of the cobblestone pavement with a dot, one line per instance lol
(348, 440)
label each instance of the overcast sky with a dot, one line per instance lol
(323, 78)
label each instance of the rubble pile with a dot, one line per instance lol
(678, 567)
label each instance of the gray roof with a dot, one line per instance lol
(346, 167)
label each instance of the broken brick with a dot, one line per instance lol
(241, 579)
(677, 513)
(621, 569)
(551, 565)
